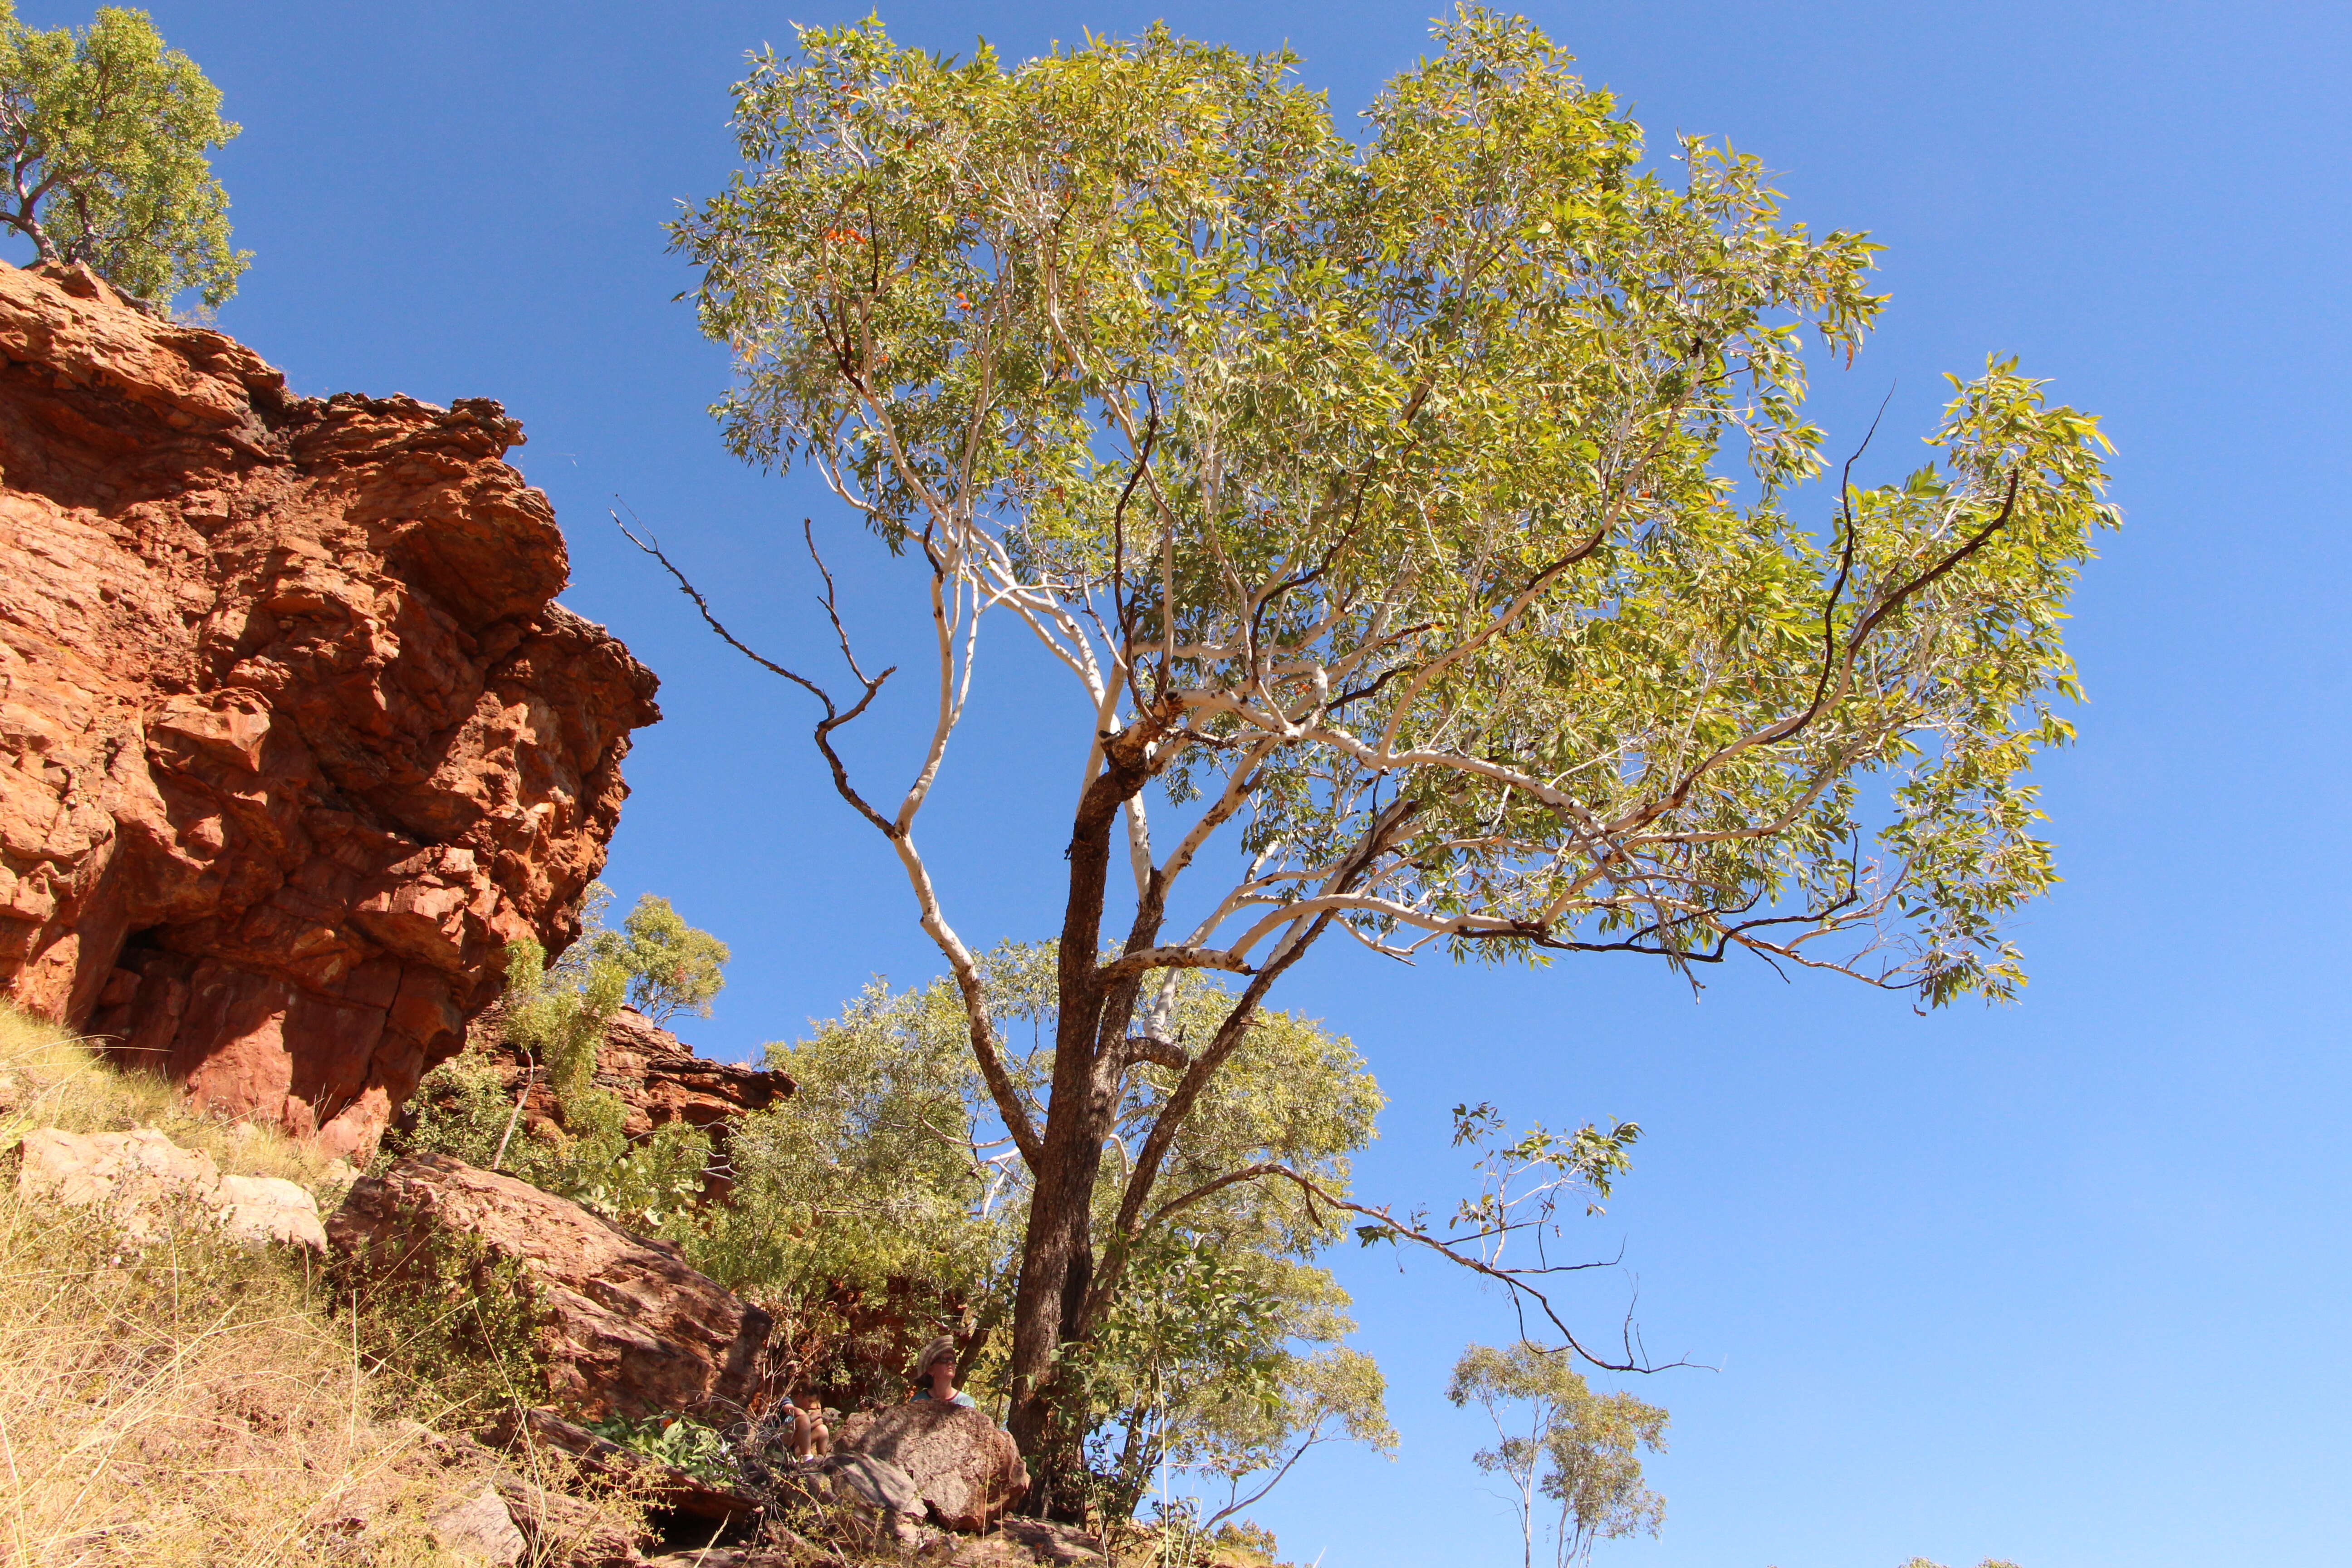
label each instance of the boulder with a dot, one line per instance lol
(1025, 1542)
(966, 1467)
(294, 739)
(140, 1176)
(873, 1501)
(1047, 1541)
(563, 1531)
(478, 1529)
(872, 1483)
(625, 1325)
(271, 1208)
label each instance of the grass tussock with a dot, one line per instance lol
(50, 1078)
(191, 1401)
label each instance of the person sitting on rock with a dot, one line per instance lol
(937, 1372)
(809, 1436)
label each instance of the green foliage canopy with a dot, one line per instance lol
(103, 140)
(1375, 486)
(673, 968)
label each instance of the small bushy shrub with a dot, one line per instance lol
(675, 1440)
(554, 1017)
(448, 1333)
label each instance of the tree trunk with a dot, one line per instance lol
(1057, 1250)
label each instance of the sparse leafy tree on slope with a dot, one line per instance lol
(890, 1161)
(103, 142)
(673, 968)
(1377, 494)
(555, 1015)
(1556, 1440)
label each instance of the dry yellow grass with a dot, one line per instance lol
(50, 1078)
(191, 1401)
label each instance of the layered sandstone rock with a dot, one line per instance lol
(293, 739)
(625, 1327)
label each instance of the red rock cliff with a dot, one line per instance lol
(293, 739)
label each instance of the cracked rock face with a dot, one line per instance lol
(293, 737)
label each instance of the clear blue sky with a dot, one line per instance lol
(2066, 1282)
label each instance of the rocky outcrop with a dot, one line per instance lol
(623, 1324)
(652, 1073)
(293, 739)
(139, 1179)
(967, 1468)
(657, 1079)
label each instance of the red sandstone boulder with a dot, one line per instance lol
(626, 1326)
(967, 1468)
(293, 739)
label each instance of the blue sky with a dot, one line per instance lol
(2066, 1282)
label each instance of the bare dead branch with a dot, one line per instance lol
(1388, 1227)
(833, 717)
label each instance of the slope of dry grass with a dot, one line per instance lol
(50, 1078)
(190, 1401)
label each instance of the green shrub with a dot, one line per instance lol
(554, 1017)
(675, 1440)
(449, 1327)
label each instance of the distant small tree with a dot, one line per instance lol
(554, 1016)
(103, 137)
(1555, 1438)
(673, 968)
(1987, 1563)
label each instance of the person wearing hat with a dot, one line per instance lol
(935, 1371)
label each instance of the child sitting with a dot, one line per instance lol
(810, 1435)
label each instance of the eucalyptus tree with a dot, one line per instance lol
(673, 968)
(103, 141)
(1556, 1440)
(1417, 515)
